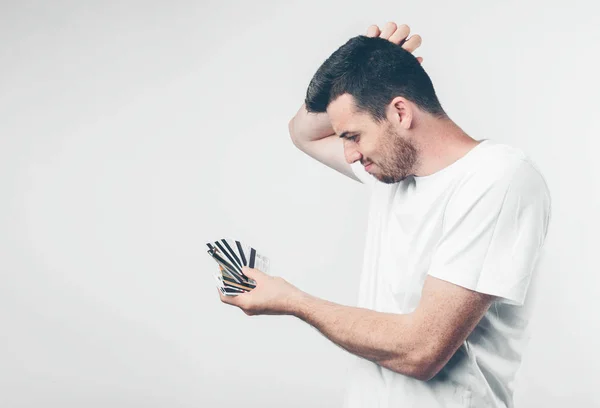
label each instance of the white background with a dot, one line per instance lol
(133, 133)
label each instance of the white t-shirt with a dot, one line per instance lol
(479, 223)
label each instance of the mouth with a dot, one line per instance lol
(368, 166)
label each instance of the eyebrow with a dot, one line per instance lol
(347, 133)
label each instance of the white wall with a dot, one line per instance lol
(132, 133)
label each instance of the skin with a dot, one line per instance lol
(417, 344)
(410, 142)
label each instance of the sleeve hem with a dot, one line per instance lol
(505, 295)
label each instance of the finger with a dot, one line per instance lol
(252, 272)
(412, 43)
(373, 31)
(388, 30)
(400, 34)
(247, 271)
(420, 59)
(226, 299)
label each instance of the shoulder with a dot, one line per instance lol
(501, 175)
(500, 166)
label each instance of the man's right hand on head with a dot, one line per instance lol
(398, 35)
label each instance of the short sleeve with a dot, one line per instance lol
(493, 231)
(362, 174)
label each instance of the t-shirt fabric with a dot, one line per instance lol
(479, 223)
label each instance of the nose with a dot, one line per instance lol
(351, 153)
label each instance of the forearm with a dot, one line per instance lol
(308, 127)
(385, 338)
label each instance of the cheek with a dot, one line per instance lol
(379, 150)
(372, 149)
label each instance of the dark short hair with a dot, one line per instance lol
(374, 71)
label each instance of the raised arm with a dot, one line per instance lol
(312, 132)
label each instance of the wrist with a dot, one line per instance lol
(297, 303)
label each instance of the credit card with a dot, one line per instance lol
(231, 256)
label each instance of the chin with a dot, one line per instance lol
(389, 179)
(386, 180)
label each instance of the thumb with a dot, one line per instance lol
(250, 272)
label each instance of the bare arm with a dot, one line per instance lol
(312, 133)
(418, 344)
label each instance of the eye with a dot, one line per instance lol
(352, 138)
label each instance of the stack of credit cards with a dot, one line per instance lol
(231, 255)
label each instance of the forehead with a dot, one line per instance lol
(344, 116)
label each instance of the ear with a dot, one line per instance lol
(401, 113)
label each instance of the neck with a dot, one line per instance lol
(440, 143)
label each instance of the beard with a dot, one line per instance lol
(399, 158)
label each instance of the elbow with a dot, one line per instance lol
(421, 356)
(293, 135)
(291, 132)
(291, 128)
(422, 372)
(428, 367)
(423, 367)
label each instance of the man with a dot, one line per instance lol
(455, 230)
